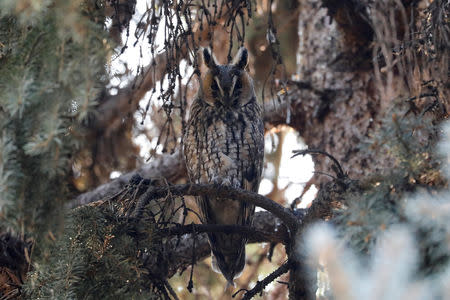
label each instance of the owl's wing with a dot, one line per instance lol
(252, 174)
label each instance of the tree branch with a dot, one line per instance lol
(111, 111)
(252, 233)
(179, 251)
(260, 285)
(168, 166)
(281, 212)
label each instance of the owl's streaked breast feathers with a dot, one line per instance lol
(224, 144)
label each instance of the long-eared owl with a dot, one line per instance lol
(224, 144)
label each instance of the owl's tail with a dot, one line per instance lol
(228, 255)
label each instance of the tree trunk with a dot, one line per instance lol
(342, 94)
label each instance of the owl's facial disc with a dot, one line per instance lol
(224, 83)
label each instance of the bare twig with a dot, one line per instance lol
(191, 282)
(170, 289)
(260, 285)
(424, 95)
(339, 172)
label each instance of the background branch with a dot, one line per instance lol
(168, 166)
(114, 108)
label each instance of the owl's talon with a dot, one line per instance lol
(221, 181)
(236, 183)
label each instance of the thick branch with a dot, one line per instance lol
(179, 250)
(111, 111)
(281, 212)
(253, 234)
(168, 166)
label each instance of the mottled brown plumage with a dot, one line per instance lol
(224, 144)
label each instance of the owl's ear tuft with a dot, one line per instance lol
(241, 58)
(208, 58)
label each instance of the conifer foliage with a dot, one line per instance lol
(52, 63)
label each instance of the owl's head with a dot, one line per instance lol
(226, 85)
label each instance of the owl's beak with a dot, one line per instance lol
(228, 95)
(230, 283)
(226, 100)
(226, 92)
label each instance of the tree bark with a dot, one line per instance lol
(343, 94)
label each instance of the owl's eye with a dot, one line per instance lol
(238, 85)
(214, 86)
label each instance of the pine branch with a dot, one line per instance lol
(337, 166)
